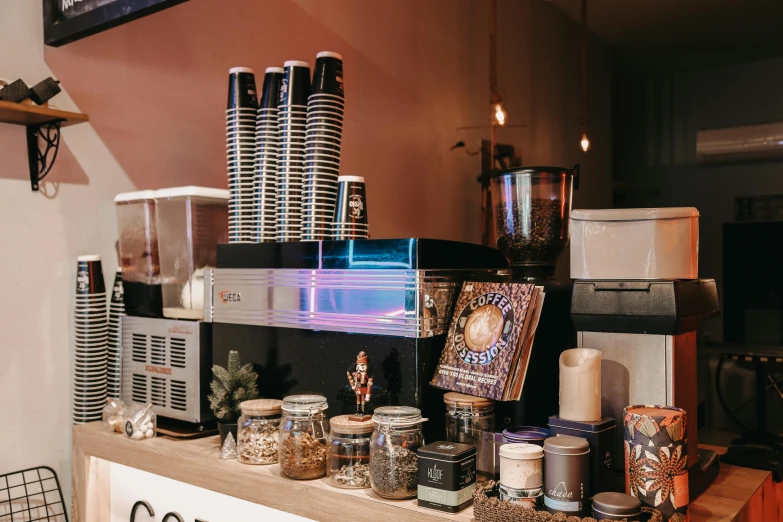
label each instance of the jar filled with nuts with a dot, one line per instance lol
(259, 429)
(394, 462)
(303, 431)
(349, 452)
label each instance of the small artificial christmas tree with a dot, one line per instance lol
(231, 387)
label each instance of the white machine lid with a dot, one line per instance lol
(191, 191)
(633, 214)
(140, 195)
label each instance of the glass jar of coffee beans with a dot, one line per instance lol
(259, 430)
(303, 431)
(394, 462)
(349, 452)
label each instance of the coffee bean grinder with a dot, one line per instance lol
(531, 208)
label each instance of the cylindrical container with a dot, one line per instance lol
(566, 474)
(635, 243)
(447, 476)
(348, 452)
(521, 466)
(139, 257)
(191, 223)
(394, 462)
(242, 89)
(532, 205)
(468, 420)
(350, 215)
(328, 74)
(600, 435)
(656, 458)
(140, 422)
(528, 434)
(259, 431)
(303, 431)
(295, 88)
(616, 506)
(114, 344)
(580, 385)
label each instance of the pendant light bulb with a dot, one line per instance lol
(499, 115)
(585, 142)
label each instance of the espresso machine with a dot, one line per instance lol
(531, 210)
(300, 312)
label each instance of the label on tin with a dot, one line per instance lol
(562, 505)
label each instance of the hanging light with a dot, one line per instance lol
(585, 142)
(498, 111)
(499, 115)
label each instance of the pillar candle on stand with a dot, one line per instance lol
(656, 458)
(580, 385)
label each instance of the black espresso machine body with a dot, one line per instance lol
(301, 312)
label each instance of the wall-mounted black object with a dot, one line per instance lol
(14, 92)
(66, 21)
(44, 91)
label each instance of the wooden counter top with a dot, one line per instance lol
(738, 494)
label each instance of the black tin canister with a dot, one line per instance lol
(447, 476)
(616, 506)
(600, 435)
(566, 474)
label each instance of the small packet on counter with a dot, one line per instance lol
(140, 422)
(113, 415)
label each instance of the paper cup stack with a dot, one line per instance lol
(240, 151)
(292, 122)
(267, 144)
(90, 332)
(350, 218)
(325, 111)
(116, 312)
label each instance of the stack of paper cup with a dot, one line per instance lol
(267, 145)
(116, 312)
(90, 332)
(350, 218)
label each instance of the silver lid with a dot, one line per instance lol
(397, 416)
(305, 404)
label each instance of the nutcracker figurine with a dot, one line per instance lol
(361, 383)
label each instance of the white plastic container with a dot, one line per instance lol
(191, 223)
(635, 243)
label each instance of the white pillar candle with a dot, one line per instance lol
(580, 385)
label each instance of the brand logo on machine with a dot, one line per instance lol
(561, 492)
(157, 369)
(229, 297)
(483, 328)
(434, 473)
(82, 280)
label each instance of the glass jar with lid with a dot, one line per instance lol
(349, 452)
(394, 461)
(471, 420)
(303, 431)
(258, 431)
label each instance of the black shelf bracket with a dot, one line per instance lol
(43, 142)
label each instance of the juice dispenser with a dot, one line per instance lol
(139, 257)
(191, 222)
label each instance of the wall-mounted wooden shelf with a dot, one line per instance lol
(44, 123)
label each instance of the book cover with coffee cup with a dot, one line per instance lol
(489, 340)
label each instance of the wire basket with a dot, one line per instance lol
(31, 495)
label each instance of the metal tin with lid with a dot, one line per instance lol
(600, 435)
(616, 506)
(566, 474)
(521, 466)
(447, 476)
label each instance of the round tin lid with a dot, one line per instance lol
(616, 504)
(261, 407)
(522, 433)
(461, 400)
(634, 214)
(521, 451)
(344, 424)
(566, 445)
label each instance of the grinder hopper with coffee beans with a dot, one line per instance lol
(531, 209)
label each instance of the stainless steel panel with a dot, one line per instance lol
(399, 303)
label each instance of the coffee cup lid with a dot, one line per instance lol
(274, 70)
(296, 63)
(329, 54)
(234, 70)
(359, 179)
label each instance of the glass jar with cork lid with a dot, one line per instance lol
(471, 420)
(259, 428)
(349, 452)
(394, 462)
(303, 431)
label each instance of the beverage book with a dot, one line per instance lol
(490, 339)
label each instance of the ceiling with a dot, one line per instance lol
(685, 33)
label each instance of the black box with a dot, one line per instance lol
(600, 436)
(447, 476)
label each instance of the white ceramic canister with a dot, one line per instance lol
(521, 466)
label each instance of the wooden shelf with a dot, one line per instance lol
(20, 114)
(737, 494)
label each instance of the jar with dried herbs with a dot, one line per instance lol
(394, 463)
(259, 430)
(349, 452)
(303, 432)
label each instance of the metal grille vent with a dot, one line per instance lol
(158, 350)
(177, 352)
(179, 399)
(139, 348)
(158, 392)
(139, 388)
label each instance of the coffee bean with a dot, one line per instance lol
(532, 235)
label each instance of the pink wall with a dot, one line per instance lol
(415, 71)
